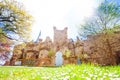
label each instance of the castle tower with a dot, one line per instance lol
(60, 37)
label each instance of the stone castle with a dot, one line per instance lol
(43, 53)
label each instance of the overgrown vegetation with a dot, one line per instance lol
(15, 22)
(106, 20)
(69, 72)
(15, 25)
(102, 26)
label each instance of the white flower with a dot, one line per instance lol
(88, 78)
(66, 78)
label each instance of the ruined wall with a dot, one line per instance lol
(98, 50)
(44, 51)
(94, 49)
(60, 37)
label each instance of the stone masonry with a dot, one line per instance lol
(43, 53)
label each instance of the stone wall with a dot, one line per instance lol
(44, 51)
(94, 50)
(98, 50)
(60, 37)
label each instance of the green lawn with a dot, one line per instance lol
(69, 72)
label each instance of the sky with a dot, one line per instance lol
(58, 13)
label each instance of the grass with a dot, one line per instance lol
(69, 72)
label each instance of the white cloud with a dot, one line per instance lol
(59, 13)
